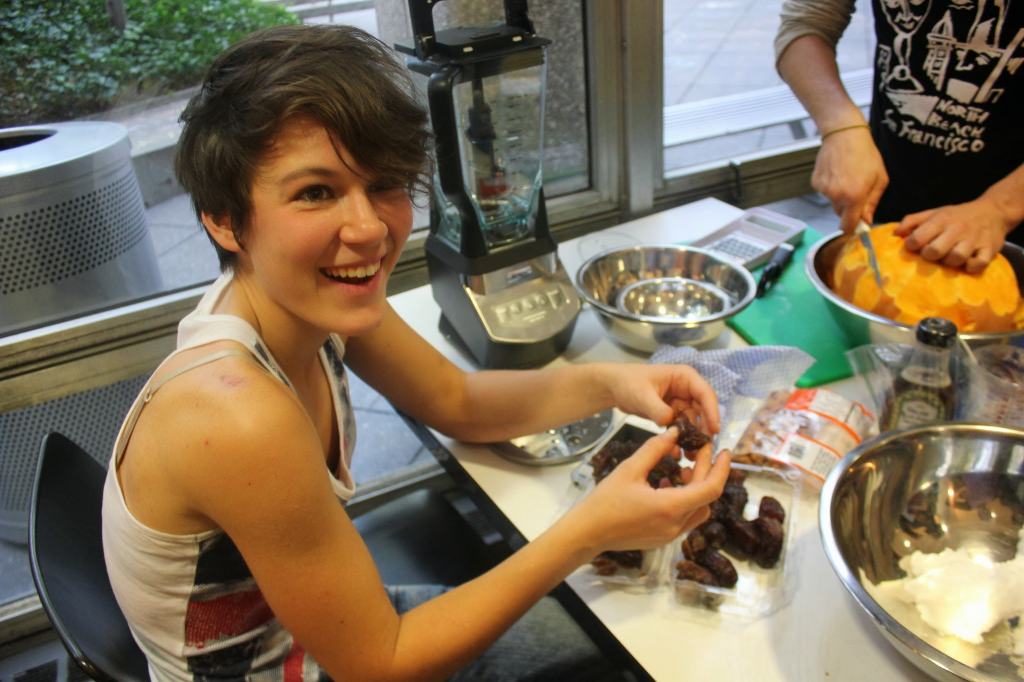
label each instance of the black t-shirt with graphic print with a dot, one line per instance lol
(948, 110)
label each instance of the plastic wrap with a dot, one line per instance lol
(989, 381)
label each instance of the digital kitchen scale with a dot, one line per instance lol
(752, 238)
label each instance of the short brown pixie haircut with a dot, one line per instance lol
(344, 77)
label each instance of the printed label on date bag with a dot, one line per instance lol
(809, 428)
(808, 455)
(829, 404)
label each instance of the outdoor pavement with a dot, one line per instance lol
(712, 48)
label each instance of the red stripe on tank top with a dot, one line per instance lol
(212, 620)
(293, 663)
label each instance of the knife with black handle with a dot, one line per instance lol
(772, 271)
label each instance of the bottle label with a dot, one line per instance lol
(916, 407)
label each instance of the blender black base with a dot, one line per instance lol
(489, 354)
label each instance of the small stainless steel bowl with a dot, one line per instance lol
(925, 488)
(672, 298)
(662, 294)
(862, 327)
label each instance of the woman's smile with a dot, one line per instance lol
(353, 275)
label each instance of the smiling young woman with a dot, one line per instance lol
(324, 234)
(225, 543)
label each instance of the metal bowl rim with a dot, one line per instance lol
(880, 616)
(812, 275)
(611, 311)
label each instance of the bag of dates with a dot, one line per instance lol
(807, 428)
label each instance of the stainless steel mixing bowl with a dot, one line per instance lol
(925, 488)
(862, 327)
(662, 294)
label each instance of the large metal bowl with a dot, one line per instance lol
(925, 488)
(862, 327)
(662, 294)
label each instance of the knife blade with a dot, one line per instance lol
(861, 231)
(772, 271)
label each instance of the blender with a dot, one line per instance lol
(505, 297)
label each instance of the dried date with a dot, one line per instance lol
(666, 474)
(735, 496)
(693, 544)
(610, 456)
(723, 570)
(743, 534)
(769, 549)
(608, 563)
(772, 509)
(715, 533)
(690, 437)
(688, 570)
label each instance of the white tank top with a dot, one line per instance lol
(190, 600)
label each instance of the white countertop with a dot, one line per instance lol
(821, 633)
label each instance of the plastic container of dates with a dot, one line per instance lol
(633, 570)
(737, 562)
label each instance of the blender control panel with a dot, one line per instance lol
(530, 308)
(533, 309)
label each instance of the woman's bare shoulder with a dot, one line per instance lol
(211, 436)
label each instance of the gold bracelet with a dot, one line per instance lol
(842, 128)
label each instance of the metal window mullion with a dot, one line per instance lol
(605, 112)
(643, 100)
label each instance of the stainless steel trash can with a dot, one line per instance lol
(91, 418)
(73, 231)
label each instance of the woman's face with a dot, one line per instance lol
(324, 236)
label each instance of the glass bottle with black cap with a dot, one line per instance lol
(924, 391)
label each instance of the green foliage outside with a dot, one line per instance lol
(62, 60)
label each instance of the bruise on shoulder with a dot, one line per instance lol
(233, 380)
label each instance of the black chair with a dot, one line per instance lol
(421, 539)
(66, 557)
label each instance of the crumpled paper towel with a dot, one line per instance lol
(742, 378)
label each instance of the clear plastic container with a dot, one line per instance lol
(650, 575)
(759, 591)
(996, 393)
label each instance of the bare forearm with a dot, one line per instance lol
(1008, 196)
(809, 68)
(503, 404)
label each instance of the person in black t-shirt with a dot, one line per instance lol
(944, 150)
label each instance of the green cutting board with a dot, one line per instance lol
(793, 313)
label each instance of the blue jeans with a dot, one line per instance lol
(545, 645)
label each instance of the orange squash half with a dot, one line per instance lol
(914, 288)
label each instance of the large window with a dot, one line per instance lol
(722, 94)
(149, 106)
